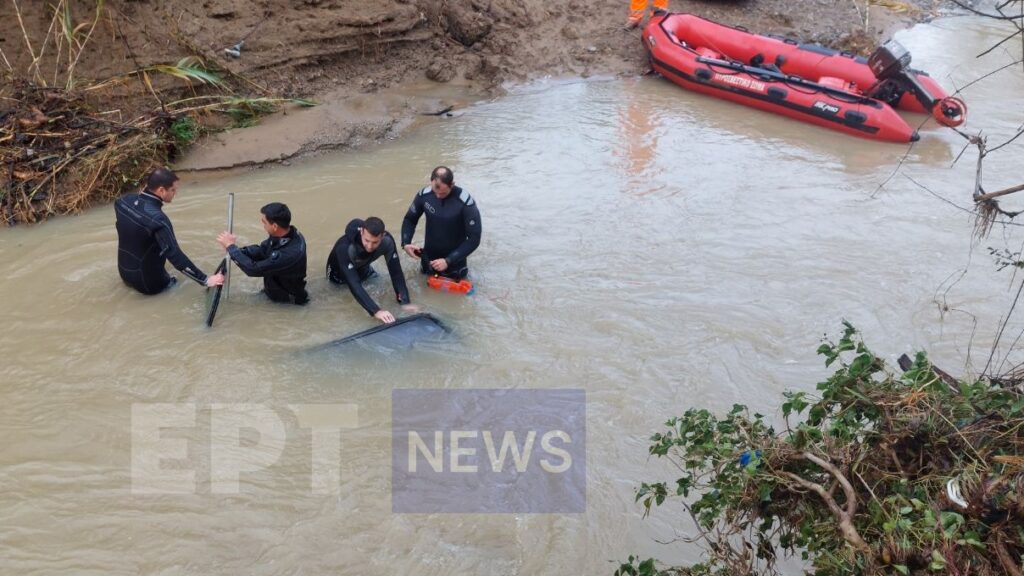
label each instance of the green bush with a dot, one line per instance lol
(185, 130)
(915, 473)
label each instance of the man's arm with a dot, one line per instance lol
(412, 217)
(355, 286)
(169, 249)
(395, 271)
(471, 220)
(257, 261)
(256, 252)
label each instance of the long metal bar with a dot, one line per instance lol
(231, 229)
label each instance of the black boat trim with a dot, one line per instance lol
(808, 110)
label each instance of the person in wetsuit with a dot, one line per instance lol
(349, 263)
(280, 259)
(146, 241)
(453, 226)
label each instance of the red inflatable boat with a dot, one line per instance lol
(807, 82)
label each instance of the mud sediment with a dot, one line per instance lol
(375, 68)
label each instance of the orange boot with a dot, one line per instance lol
(637, 8)
(636, 13)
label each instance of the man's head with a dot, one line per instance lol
(276, 219)
(371, 233)
(441, 181)
(163, 184)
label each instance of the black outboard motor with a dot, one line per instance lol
(889, 59)
(890, 64)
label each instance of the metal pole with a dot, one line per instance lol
(231, 229)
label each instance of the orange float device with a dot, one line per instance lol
(448, 285)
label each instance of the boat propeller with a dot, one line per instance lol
(950, 111)
(890, 63)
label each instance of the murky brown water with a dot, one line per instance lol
(657, 248)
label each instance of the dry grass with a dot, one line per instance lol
(64, 144)
(60, 155)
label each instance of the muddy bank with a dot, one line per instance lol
(460, 52)
(377, 68)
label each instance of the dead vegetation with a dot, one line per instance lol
(60, 153)
(67, 143)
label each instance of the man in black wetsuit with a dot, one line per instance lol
(280, 259)
(453, 226)
(349, 263)
(145, 238)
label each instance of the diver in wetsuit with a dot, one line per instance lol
(349, 263)
(280, 259)
(453, 226)
(145, 238)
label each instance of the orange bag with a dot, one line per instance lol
(448, 285)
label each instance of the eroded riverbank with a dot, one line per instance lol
(376, 70)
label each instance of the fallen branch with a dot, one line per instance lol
(905, 363)
(1003, 192)
(1011, 566)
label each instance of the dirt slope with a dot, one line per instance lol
(362, 59)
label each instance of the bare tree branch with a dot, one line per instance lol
(986, 14)
(1004, 192)
(845, 516)
(976, 80)
(1000, 43)
(1015, 136)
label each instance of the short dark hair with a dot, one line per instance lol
(374, 226)
(277, 213)
(160, 178)
(444, 174)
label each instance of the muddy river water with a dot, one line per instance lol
(654, 248)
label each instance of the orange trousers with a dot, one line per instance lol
(638, 7)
